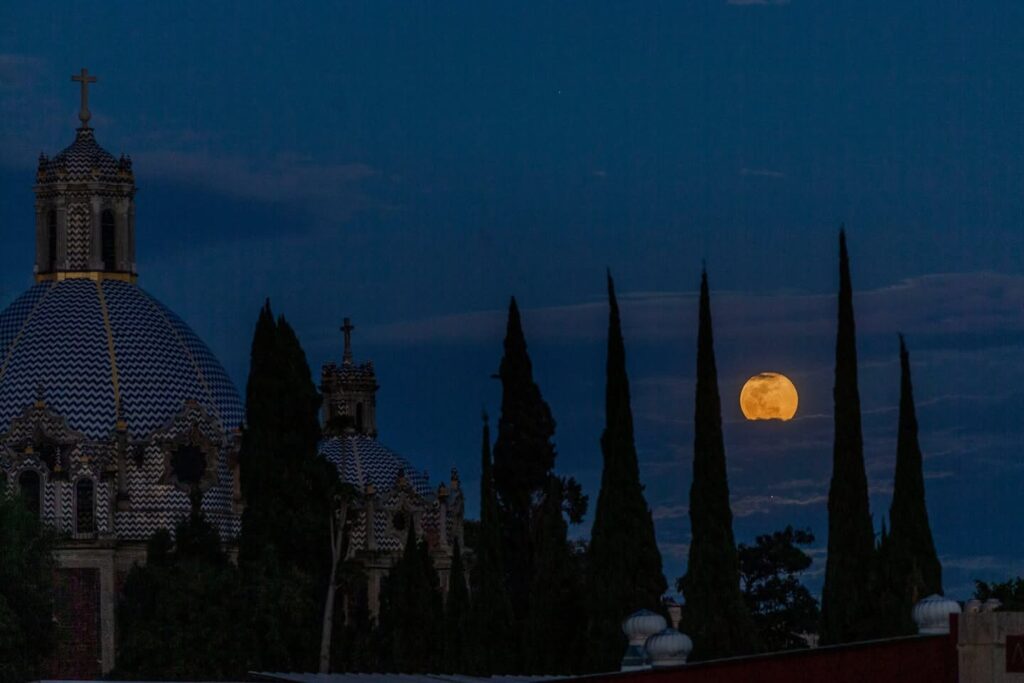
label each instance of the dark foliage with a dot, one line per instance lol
(490, 609)
(848, 606)
(715, 617)
(624, 563)
(909, 566)
(554, 640)
(285, 550)
(411, 612)
(524, 456)
(1010, 593)
(456, 616)
(781, 606)
(27, 566)
(179, 616)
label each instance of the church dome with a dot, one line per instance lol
(83, 160)
(362, 461)
(100, 351)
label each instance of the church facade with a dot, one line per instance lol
(116, 419)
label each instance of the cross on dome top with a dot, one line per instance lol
(84, 79)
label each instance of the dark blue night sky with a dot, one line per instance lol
(411, 165)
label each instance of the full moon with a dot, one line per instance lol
(768, 396)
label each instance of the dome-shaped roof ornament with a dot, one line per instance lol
(638, 627)
(668, 647)
(932, 614)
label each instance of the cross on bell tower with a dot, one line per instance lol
(346, 329)
(84, 79)
(349, 391)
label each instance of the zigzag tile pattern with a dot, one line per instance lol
(83, 159)
(54, 339)
(13, 318)
(62, 350)
(353, 454)
(227, 406)
(158, 363)
(362, 460)
(79, 235)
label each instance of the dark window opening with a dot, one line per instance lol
(108, 241)
(51, 241)
(85, 508)
(28, 484)
(398, 521)
(188, 463)
(359, 417)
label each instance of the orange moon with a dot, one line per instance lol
(769, 396)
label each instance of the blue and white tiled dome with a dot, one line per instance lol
(101, 350)
(362, 460)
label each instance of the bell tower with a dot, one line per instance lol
(85, 207)
(349, 393)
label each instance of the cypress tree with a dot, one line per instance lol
(913, 568)
(716, 616)
(623, 560)
(554, 642)
(411, 610)
(524, 456)
(284, 549)
(456, 615)
(491, 611)
(848, 611)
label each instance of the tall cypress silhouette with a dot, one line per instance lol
(490, 609)
(847, 605)
(524, 456)
(913, 567)
(624, 565)
(456, 615)
(716, 616)
(284, 552)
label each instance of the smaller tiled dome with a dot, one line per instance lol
(83, 161)
(362, 460)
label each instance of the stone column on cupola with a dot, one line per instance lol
(61, 206)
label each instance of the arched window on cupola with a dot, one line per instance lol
(108, 240)
(85, 507)
(51, 240)
(29, 487)
(359, 417)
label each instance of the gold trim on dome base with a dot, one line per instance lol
(95, 275)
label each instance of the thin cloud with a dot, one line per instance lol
(762, 172)
(19, 71)
(284, 179)
(933, 310)
(746, 506)
(669, 511)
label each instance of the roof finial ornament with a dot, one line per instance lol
(347, 328)
(84, 79)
